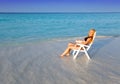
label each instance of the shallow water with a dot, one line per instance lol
(39, 63)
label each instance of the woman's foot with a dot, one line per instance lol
(67, 54)
(61, 55)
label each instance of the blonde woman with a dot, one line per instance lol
(72, 46)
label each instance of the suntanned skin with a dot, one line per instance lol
(72, 46)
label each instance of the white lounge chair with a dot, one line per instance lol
(83, 48)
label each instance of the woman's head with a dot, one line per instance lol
(91, 32)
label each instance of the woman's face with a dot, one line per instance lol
(91, 33)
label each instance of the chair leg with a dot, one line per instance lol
(87, 54)
(76, 54)
(73, 53)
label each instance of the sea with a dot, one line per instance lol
(31, 45)
(18, 28)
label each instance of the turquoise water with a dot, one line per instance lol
(28, 27)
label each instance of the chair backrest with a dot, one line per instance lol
(92, 41)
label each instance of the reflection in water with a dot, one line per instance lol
(81, 61)
(78, 64)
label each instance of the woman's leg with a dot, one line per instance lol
(69, 45)
(68, 49)
(65, 52)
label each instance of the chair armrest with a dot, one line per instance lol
(82, 45)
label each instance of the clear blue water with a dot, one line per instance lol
(42, 26)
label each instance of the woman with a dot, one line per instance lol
(87, 40)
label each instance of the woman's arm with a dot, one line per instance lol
(84, 42)
(79, 41)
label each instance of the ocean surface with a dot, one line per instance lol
(31, 45)
(30, 27)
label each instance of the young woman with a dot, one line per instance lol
(72, 46)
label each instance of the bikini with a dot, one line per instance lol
(85, 39)
(88, 37)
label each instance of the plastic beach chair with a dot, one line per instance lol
(83, 48)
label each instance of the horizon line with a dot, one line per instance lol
(53, 12)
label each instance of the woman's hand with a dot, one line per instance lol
(78, 41)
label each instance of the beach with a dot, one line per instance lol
(40, 63)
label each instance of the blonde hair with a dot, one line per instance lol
(93, 30)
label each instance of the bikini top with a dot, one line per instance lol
(88, 37)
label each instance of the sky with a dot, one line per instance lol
(59, 5)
